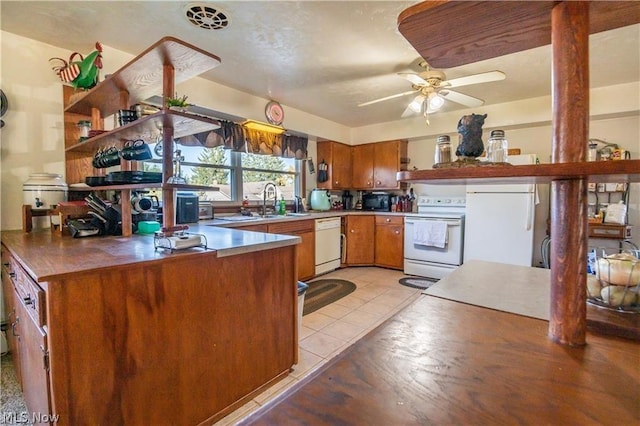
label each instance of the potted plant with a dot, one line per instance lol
(178, 103)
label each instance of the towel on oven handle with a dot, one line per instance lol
(430, 233)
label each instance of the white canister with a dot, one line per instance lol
(44, 190)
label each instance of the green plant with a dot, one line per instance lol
(178, 101)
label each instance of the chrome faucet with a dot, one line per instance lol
(268, 189)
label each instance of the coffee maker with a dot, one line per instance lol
(347, 200)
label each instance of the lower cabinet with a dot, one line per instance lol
(305, 229)
(359, 231)
(389, 246)
(27, 340)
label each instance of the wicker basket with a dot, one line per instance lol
(615, 283)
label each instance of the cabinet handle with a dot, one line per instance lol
(352, 231)
(397, 232)
(28, 300)
(6, 264)
(387, 220)
(378, 182)
(12, 274)
(13, 327)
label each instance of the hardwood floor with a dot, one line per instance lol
(444, 362)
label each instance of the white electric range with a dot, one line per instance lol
(428, 260)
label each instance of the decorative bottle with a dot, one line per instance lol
(443, 149)
(497, 147)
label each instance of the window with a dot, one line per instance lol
(238, 175)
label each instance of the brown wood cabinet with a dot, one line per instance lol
(124, 338)
(389, 238)
(389, 158)
(26, 338)
(363, 163)
(337, 156)
(306, 250)
(359, 230)
(374, 165)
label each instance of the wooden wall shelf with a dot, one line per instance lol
(143, 76)
(485, 30)
(147, 128)
(595, 171)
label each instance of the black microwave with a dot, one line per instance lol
(376, 201)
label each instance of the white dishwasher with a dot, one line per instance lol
(327, 244)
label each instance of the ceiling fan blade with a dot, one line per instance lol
(386, 98)
(484, 77)
(407, 112)
(461, 98)
(414, 78)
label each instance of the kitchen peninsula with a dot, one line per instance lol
(133, 335)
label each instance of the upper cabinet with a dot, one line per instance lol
(371, 166)
(337, 157)
(376, 165)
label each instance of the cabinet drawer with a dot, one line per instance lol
(295, 226)
(30, 294)
(389, 220)
(617, 232)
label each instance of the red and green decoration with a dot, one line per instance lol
(80, 73)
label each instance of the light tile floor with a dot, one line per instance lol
(330, 330)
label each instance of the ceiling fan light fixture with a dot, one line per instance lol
(416, 104)
(435, 101)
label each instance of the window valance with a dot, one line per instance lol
(238, 138)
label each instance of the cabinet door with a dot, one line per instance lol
(306, 255)
(338, 157)
(387, 165)
(389, 246)
(362, 174)
(341, 165)
(12, 332)
(33, 362)
(360, 244)
(306, 250)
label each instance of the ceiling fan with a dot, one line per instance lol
(432, 89)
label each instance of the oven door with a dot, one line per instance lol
(451, 254)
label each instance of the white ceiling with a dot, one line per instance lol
(321, 57)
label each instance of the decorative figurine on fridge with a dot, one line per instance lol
(470, 128)
(83, 73)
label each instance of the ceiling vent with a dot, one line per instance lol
(207, 17)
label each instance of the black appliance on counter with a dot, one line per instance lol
(376, 201)
(187, 209)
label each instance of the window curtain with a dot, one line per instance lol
(238, 138)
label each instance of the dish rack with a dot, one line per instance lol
(177, 238)
(614, 282)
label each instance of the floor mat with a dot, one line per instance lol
(423, 283)
(323, 292)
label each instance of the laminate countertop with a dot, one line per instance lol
(443, 360)
(46, 254)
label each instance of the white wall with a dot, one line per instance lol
(32, 139)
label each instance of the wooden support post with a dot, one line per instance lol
(570, 92)
(168, 207)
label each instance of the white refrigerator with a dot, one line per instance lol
(499, 220)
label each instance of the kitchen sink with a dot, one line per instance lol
(297, 214)
(238, 218)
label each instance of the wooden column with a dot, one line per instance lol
(570, 92)
(168, 194)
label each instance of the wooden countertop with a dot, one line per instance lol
(46, 255)
(441, 361)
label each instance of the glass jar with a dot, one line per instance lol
(443, 149)
(592, 153)
(497, 147)
(85, 127)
